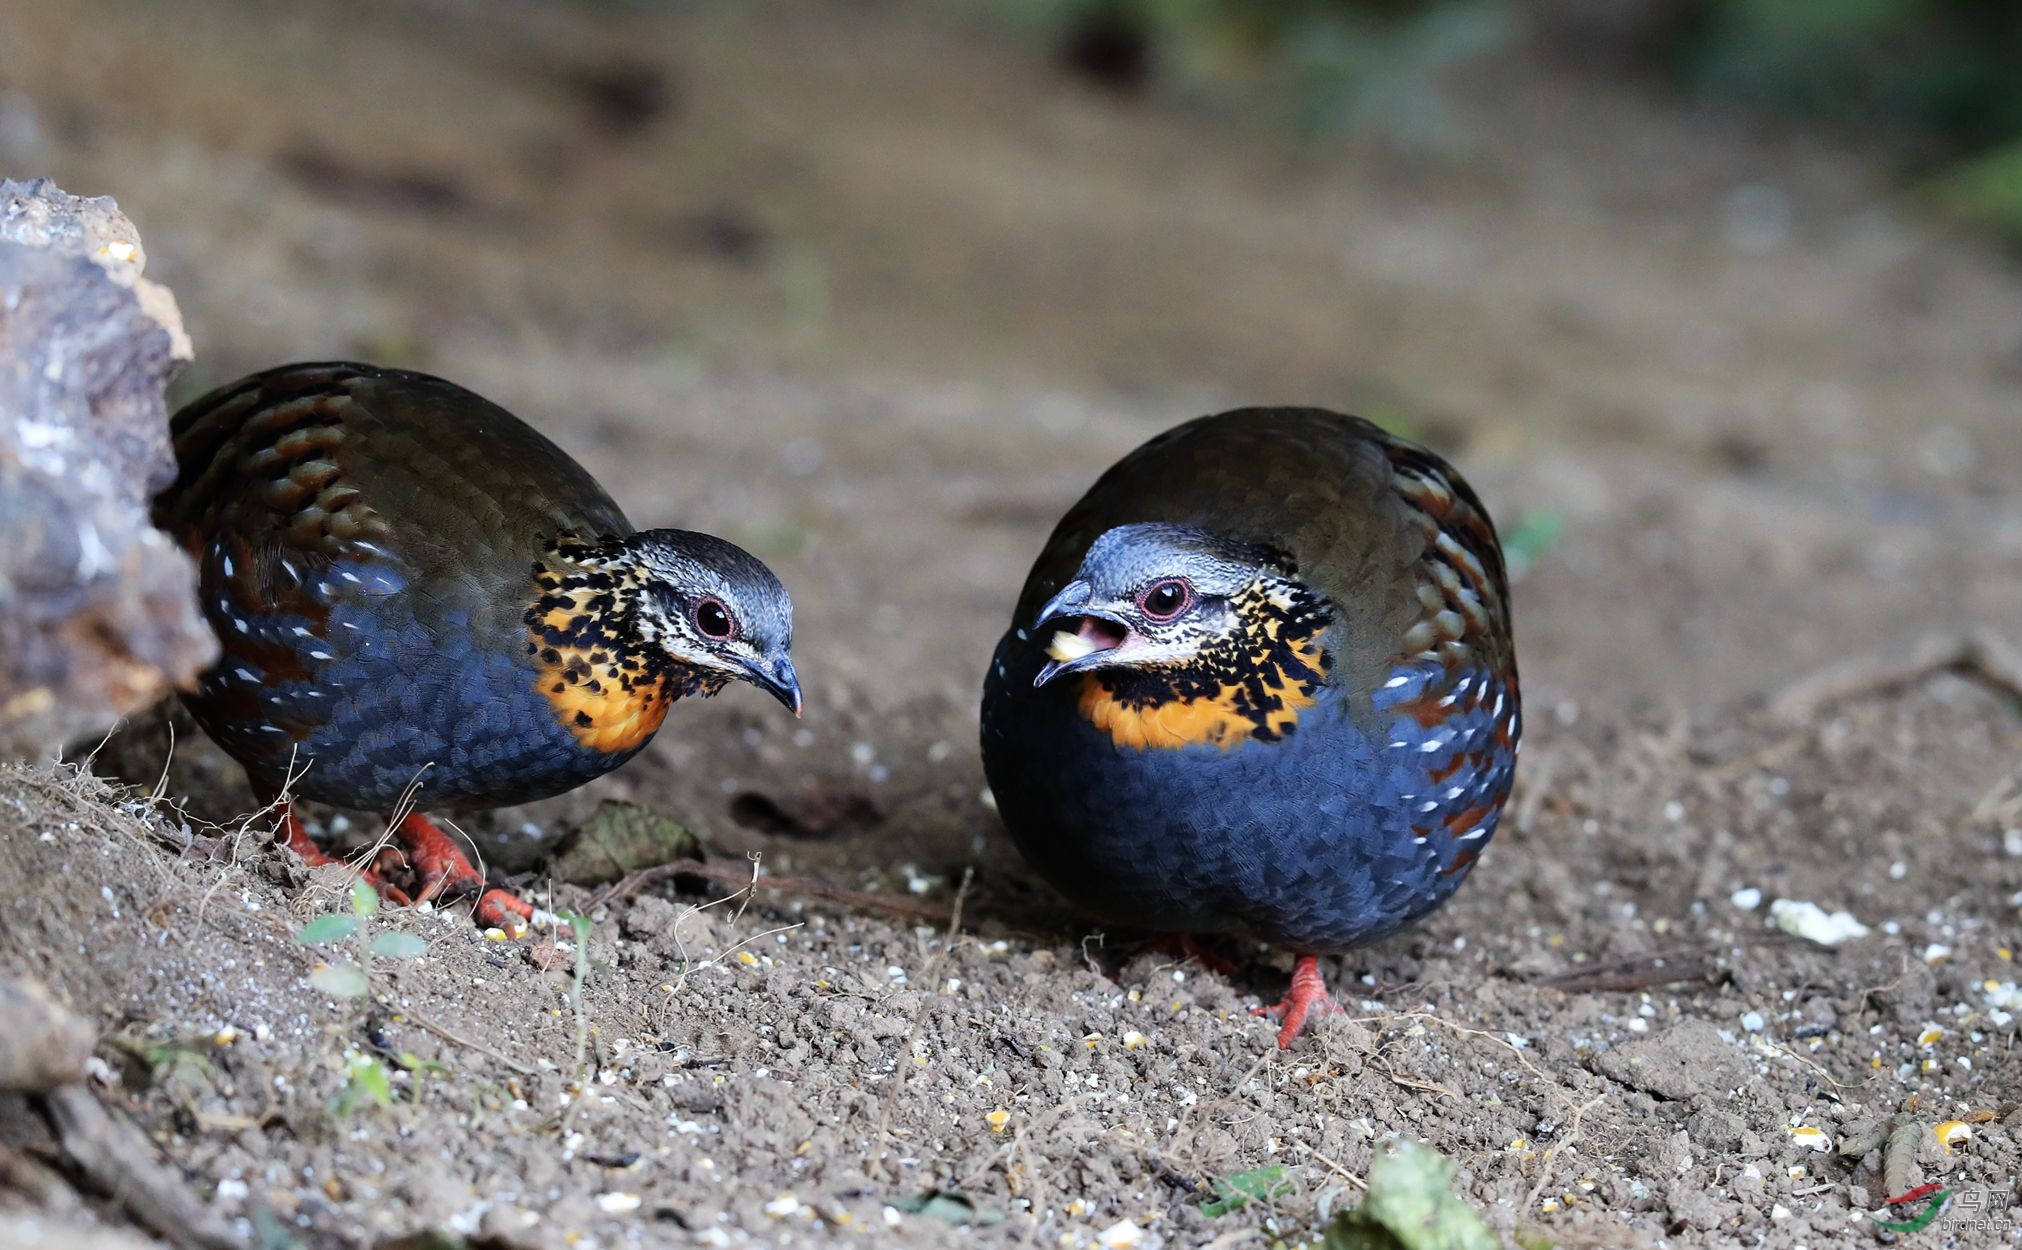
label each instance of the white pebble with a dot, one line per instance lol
(1810, 922)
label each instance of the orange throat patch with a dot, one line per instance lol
(606, 688)
(1216, 720)
(606, 708)
(1266, 677)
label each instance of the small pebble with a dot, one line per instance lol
(1122, 1235)
(1810, 921)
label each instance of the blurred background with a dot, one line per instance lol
(1712, 299)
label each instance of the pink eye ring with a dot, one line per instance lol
(1166, 599)
(714, 620)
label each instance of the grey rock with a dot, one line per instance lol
(98, 610)
(42, 1045)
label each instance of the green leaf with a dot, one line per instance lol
(1986, 190)
(364, 899)
(339, 980)
(580, 926)
(415, 1063)
(365, 1078)
(949, 1206)
(399, 946)
(327, 929)
(1410, 1206)
(1536, 532)
(372, 1079)
(1234, 1192)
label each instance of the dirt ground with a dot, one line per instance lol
(874, 291)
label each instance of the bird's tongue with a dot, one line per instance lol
(1095, 634)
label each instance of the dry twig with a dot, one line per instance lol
(1980, 654)
(1571, 1135)
(120, 1160)
(458, 1039)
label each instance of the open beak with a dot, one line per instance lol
(778, 680)
(1080, 633)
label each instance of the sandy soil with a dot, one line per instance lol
(877, 294)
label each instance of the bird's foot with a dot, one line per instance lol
(441, 868)
(502, 909)
(438, 864)
(291, 833)
(1183, 947)
(426, 860)
(1307, 994)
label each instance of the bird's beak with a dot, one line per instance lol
(777, 679)
(1073, 597)
(1097, 631)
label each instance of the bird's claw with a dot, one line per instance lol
(501, 909)
(427, 860)
(441, 877)
(1307, 994)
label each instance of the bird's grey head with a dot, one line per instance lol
(715, 607)
(1147, 596)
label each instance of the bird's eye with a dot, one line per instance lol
(1162, 601)
(714, 620)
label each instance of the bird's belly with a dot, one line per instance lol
(1319, 841)
(368, 702)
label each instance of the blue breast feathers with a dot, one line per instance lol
(1324, 839)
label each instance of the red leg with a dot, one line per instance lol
(444, 869)
(438, 862)
(440, 865)
(1308, 992)
(297, 839)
